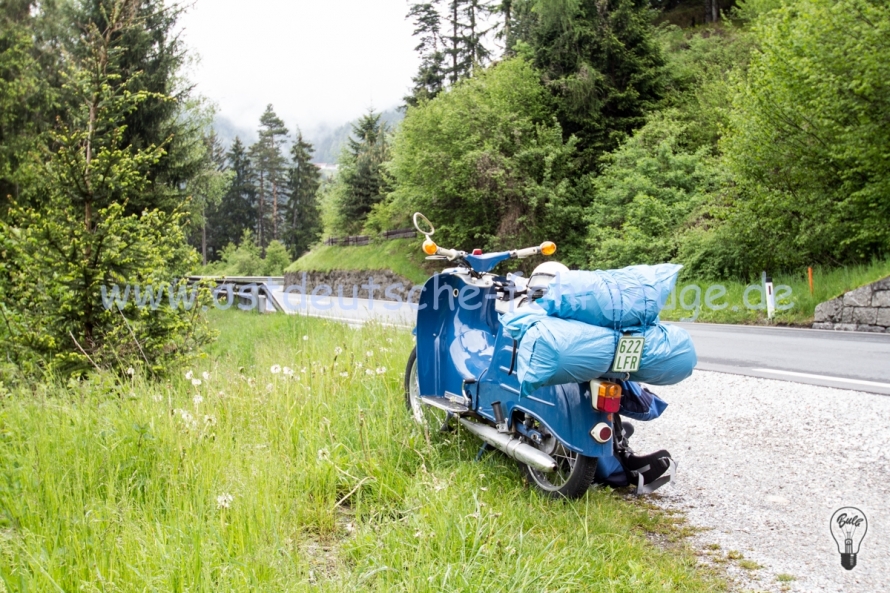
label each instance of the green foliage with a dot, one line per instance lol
(246, 259)
(648, 191)
(269, 170)
(809, 145)
(486, 162)
(602, 64)
(227, 220)
(276, 260)
(402, 256)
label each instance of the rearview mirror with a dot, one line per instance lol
(421, 221)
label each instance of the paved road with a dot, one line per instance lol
(846, 360)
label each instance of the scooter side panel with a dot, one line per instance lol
(455, 338)
(566, 410)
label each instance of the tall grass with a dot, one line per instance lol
(260, 481)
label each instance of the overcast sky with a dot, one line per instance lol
(319, 62)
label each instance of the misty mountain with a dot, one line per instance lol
(329, 143)
(327, 140)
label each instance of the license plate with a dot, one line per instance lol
(628, 354)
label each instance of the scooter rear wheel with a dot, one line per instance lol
(573, 476)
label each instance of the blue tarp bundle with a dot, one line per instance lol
(553, 351)
(618, 299)
(573, 336)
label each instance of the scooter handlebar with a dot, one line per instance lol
(547, 248)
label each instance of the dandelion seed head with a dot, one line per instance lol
(288, 372)
(344, 374)
(131, 371)
(206, 375)
(276, 368)
(305, 338)
(338, 351)
(224, 501)
(198, 400)
(369, 353)
(369, 372)
(359, 365)
(196, 382)
(269, 387)
(381, 370)
(157, 397)
(189, 375)
(209, 420)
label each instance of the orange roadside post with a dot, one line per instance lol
(810, 274)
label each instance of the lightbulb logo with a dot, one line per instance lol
(848, 527)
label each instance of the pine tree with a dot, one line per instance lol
(430, 78)
(150, 58)
(302, 212)
(269, 166)
(236, 211)
(361, 171)
(601, 62)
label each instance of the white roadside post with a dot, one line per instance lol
(770, 298)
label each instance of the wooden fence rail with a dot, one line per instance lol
(366, 239)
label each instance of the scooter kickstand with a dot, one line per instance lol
(483, 450)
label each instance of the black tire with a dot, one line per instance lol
(573, 475)
(427, 416)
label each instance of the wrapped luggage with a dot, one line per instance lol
(553, 351)
(631, 297)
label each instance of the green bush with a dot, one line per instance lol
(808, 144)
(649, 190)
(486, 163)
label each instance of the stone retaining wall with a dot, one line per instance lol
(351, 282)
(865, 309)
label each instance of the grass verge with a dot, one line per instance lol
(402, 256)
(257, 480)
(723, 301)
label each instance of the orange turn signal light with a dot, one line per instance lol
(606, 396)
(429, 247)
(609, 390)
(548, 248)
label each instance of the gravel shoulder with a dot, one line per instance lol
(763, 465)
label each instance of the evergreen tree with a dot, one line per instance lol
(302, 212)
(29, 90)
(150, 57)
(81, 241)
(361, 174)
(236, 211)
(601, 62)
(207, 189)
(430, 78)
(269, 167)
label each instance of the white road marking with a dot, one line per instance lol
(825, 378)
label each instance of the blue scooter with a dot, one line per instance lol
(464, 367)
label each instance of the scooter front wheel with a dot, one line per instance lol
(429, 417)
(573, 476)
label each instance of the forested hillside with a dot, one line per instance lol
(752, 139)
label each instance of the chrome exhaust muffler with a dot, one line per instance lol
(511, 446)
